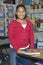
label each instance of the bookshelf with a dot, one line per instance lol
(7, 13)
(36, 15)
(34, 12)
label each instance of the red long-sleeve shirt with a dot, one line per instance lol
(20, 37)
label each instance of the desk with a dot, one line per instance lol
(40, 57)
(3, 45)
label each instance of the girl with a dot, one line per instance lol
(20, 34)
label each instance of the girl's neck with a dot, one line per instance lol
(22, 21)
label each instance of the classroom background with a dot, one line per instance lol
(35, 14)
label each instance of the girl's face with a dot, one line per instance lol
(21, 13)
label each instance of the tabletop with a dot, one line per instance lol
(36, 54)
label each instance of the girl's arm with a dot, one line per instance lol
(31, 37)
(11, 35)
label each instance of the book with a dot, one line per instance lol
(31, 53)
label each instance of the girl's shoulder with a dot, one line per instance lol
(29, 22)
(13, 22)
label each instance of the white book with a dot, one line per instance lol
(33, 54)
(30, 53)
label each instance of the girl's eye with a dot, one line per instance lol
(21, 11)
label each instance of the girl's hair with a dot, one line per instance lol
(20, 5)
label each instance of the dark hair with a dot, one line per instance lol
(20, 5)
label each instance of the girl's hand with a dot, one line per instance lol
(33, 50)
(19, 51)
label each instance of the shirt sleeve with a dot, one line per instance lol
(31, 37)
(11, 36)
